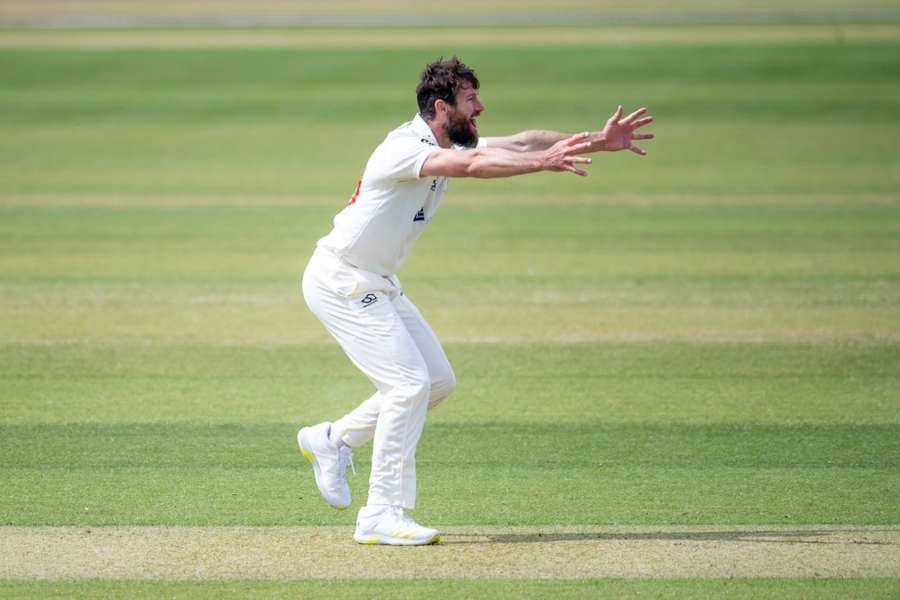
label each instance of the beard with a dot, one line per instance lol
(460, 132)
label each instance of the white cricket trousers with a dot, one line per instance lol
(387, 338)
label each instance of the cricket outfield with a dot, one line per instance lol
(677, 377)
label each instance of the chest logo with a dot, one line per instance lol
(420, 216)
(369, 299)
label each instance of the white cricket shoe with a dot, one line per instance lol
(389, 525)
(329, 461)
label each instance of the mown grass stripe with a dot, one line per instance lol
(493, 494)
(596, 384)
(457, 36)
(541, 446)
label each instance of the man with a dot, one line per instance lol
(350, 284)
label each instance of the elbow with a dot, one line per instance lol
(476, 167)
(522, 146)
(473, 171)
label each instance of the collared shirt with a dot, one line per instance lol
(392, 202)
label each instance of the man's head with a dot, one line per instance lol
(448, 99)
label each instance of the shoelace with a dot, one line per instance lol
(345, 458)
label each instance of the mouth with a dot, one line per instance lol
(473, 124)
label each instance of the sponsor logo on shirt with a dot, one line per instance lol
(427, 141)
(368, 300)
(420, 216)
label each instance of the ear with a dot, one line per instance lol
(440, 106)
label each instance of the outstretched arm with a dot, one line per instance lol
(533, 140)
(617, 134)
(491, 162)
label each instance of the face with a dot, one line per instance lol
(461, 126)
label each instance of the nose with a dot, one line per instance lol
(479, 107)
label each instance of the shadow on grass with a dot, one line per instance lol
(763, 537)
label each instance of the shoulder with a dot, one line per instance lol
(406, 140)
(408, 136)
(401, 154)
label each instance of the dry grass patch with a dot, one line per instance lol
(469, 552)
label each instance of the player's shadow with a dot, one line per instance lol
(762, 537)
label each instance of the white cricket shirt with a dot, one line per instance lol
(391, 204)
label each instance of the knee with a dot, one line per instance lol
(441, 387)
(417, 387)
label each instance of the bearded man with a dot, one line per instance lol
(351, 285)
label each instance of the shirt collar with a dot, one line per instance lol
(421, 128)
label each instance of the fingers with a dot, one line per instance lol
(579, 138)
(641, 122)
(638, 151)
(579, 148)
(642, 136)
(572, 145)
(570, 166)
(631, 118)
(569, 162)
(616, 115)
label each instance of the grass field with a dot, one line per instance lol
(269, 13)
(682, 369)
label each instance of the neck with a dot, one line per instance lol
(437, 128)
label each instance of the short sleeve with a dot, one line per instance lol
(399, 158)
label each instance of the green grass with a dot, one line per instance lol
(625, 474)
(598, 433)
(705, 336)
(610, 588)
(789, 271)
(469, 12)
(239, 122)
(596, 384)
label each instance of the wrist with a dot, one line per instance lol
(542, 160)
(598, 142)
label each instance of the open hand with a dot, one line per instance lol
(563, 155)
(619, 134)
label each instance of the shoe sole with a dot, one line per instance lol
(309, 456)
(386, 540)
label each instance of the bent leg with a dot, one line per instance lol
(372, 333)
(443, 380)
(440, 373)
(358, 426)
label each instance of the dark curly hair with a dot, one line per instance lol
(440, 81)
